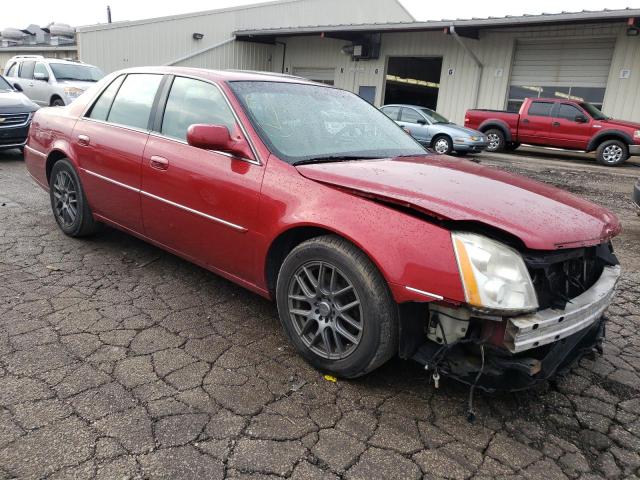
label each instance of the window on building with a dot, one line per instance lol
(100, 109)
(26, 71)
(191, 102)
(132, 105)
(518, 93)
(409, 115)
(540, 109)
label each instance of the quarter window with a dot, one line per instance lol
(100, 110)
(569, 112)
(27, 69)
(13, 70)
(540, 109)
(133, 103)
(409, 115)
(193, 101)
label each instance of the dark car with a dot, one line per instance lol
(16, 111)
(636, 196)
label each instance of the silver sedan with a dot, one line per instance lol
(434, 131)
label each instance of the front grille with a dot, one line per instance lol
(562, 275)
(11, 119)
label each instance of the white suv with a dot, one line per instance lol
(50, 81)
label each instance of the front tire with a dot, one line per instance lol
(497, 141)
(336, 308)
(57, 102)
(68, 201)
(442, 145)
(612, 153)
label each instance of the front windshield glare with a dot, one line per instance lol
(303, 123)
(434, 117)
(81, 73)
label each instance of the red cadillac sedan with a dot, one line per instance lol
(306, 194)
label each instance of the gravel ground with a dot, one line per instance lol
(118, 360)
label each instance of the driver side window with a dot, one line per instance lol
(193, 101)
(409, 115)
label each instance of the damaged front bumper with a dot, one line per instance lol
(527, 349)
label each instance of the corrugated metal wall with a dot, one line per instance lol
(158, 41)
(495, 49)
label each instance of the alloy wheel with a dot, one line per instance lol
(325, 310)
(612, 154)
(65, 194)
(494, 141)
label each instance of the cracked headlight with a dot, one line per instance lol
(494, 275)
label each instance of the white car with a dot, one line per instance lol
(50, 81)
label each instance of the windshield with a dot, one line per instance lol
(83, 73)
(4, 85)
(303, 123)
(593, 111)
(434, 117)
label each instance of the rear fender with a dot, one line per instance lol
(500, 125)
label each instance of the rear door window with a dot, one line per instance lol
(191, 102)
(27, 69)
(134, 101)
(540, 109)
(391, 112)
(41, 69)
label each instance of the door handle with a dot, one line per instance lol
(159, 163)
(83, 140)
(556, 124)
(526, 120)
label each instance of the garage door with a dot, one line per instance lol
(322, 75)
(565, 69)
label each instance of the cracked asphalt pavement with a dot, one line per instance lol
(118, 360)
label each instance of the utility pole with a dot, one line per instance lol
(108, 14)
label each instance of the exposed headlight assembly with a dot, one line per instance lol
(636, 134)
(494, 275)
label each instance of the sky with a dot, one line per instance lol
(87, 12)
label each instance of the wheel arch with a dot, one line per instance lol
(54, 156)
(293, 236)
(54, 97)
(605, 135)
(440, 135)
(497, 124)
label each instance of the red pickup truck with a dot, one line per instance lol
(558, 123)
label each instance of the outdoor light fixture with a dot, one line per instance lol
(198, 36)
(633, 29)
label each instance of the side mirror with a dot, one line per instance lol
(581, 119)
(217, 137)
(422, 122)
(41, 76)
(17, 87)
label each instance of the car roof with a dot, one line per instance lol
(221, 75)
(408, 105)
(38, 58)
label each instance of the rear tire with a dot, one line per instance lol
(497, 141)
(68, 201)
(312, 308)
(612, 153)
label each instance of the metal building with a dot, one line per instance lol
(207, 39)
(375, 48)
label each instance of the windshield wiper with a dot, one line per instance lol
(333, 158)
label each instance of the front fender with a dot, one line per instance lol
(414, 255)
(598, 138)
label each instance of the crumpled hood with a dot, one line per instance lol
(16, 102)
(543, 217)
